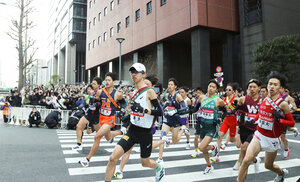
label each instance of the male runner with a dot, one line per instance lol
(92, 115)
(185, 117)
(108, 96)
(144, 107)
(274, 114)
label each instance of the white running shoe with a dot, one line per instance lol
(160, 174)
(77, 147)
(159, 161)
(208, 170)
(123, 130)
(84, 162)
(286, 154)
(188, 147)
(215, 151)
(186, 131)
(256, 165)
(224, 145)
(118, 174)
(296, 132)
(237, 166)
(195, 154)
(281, 178)
(215, 159)
(166, 140)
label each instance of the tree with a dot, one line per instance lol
(280, 54)
(55, 79)
(24, 44)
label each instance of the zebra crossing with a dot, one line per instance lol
(179, 164)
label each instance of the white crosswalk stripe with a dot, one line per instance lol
(177, 161)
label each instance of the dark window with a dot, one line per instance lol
(118, 27)
(90, 4)
(149, 7)
(94, 21)
(112, 5)
(99, 40)
(99, 16)
(163, 2)
(137, 15)
(111, 31)
(127, 20)
(89, 46)
(252, 12)
(119, 1)
(105, 36)
(90, 25)
(105, 11)
(94, 41)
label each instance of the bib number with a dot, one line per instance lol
(171, 110)
(106, 111)
(207, 114)
(265, 124)
(249, 118)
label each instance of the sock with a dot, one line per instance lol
(158, 168)
(197, 149)
(78, 144)
(238, 162)
(209, 165)
(213, 147)
(162, 133)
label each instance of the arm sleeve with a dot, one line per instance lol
(224, 110)
(289, 121)
(156, 111)
(256, 117)
(196, 108)
(238, 107)
(183, 108)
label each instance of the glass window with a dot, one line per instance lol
(149, 7)
(90, 25)
(94, 21)
(94, 42)
(89, 46)
(105, 11)
(137, 15)
(252, 12)
(119, 1)
(112, 4)
(99, 40)
(111, 31)
(90, 4)
(99, 16)
(127, 20)
(163, 2)
(104, 36)
(118, 27)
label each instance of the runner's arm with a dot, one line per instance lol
(156, 111)
(288, 120)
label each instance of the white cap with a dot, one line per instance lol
(139, 67)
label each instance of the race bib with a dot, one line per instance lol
(265, 124)
(34, 118)
(105, 111)
(137, 118)
(207, 114)
(249, 117)
(171, 110)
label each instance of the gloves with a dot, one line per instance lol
(136, 107)
(235, 102)
(120, 114)
(277, 115)
(249, 122)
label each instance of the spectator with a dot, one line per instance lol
(52, 119)
(26, 100)
(6, 111)
(34, 117)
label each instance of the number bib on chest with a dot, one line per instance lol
(106, 111)
(265, 124)
(249, 117)
(207, 114)
(171, 110)
(137, 118)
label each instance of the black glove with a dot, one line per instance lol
(277, 115)
(235, 102)
(120, 114)
(136, 107)
(126, 121)
(249, 122)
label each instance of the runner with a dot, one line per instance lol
(264, 92)
(210, 103)
(291, 102)
(229, 122)
(92, 116)
(199, 93)
(151, 81)
(144, 107)
(185, 117)
(249, 106)
(108, 96)
(270, 126)
(175, 106)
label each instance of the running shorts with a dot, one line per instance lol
(266, 143)
(173, 121)
(110, 120)
(246, 134)
(208, 130)
(92, 118)
(185, 120)
(230, 123)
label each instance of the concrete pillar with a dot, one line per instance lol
(135, 57)
(228, 60)
(70, 67)
(98, 71)
(110, 67)
(61, 66)
(200, 45)
(54, 70)
(163, 67)
(89, 76)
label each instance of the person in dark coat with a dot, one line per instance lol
(34, 117)
(52, 119)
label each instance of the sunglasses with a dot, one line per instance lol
(228, 89)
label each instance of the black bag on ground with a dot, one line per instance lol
(52, 119)
(74, 118)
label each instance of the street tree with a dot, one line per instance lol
(25, 45)
(280, 54)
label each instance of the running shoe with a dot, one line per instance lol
(123, 130)
(186, 131)
(166, 140)
(215, 151)
(296, 132)
(208, 170)
(77, 147)
(215, 159)
(188, 147)
(84, 162)
(224, 145)
(237, 166)
(118, 174)
(160, 161)
(160, 174)
(111, 140)
(286, 153)
(256, 165)
(195, 154)
(281, 178)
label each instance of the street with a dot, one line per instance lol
(39, 154)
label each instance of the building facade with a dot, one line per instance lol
(185, 39)
(67, 40)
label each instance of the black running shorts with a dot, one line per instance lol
(139, 135)
(246, 134)
(92, 118)
(173, 121)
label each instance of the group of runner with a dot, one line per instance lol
(260, 120)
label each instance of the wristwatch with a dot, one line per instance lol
(146, 111)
